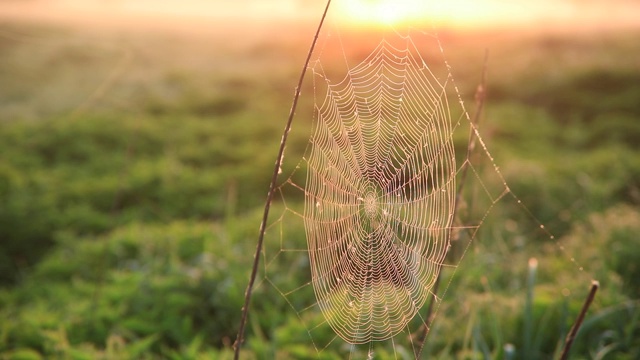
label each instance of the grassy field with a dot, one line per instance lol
(134, 166)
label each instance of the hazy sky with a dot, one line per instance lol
(458, 12)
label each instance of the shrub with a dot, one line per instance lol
(152, 289)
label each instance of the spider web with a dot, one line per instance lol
(379, 193)
(369, 210)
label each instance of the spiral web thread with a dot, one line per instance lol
(367, 214)
(379, 194)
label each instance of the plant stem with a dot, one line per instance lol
(272, 188)
(583, 312)
(528, 309)
(479, 97)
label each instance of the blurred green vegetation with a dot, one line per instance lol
(128, 217)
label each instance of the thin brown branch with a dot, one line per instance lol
(272, 188)
(583, 312)
(480, 96)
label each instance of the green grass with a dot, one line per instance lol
(129, 215)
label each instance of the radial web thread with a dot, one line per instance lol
(380, 194)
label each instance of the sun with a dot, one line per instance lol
(436, 12)
(379, 12)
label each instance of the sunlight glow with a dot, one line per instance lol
(449, 12)
(379, 12)
(357, 13)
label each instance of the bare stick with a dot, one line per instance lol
(272, 189)
(574, 330)
(479, 97)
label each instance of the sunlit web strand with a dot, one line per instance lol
(382, 147)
